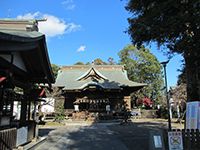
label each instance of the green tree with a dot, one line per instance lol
(111, 61)
(174, 24)
(79, 63)
(182, 76)
(142, 66)
(55, 69)
(99, 61)
(179, 92)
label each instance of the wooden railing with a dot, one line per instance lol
(191, 139)
(8, 139)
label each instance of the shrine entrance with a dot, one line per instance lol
(92, 105)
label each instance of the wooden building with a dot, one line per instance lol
(24, 65)
(96, 88)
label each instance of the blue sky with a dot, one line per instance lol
(82, 30)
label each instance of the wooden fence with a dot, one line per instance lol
(191, 139)
(8, 139)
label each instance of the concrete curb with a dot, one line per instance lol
(33, 145)
(91, 124)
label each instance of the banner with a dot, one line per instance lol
(192, 115)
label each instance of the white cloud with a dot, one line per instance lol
(72, 27)
(81, 48)
(54, 26)
(29, 15)
(69, 4)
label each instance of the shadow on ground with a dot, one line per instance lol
(101, 136)
(44, 131)
(136, 135)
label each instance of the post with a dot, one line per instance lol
(23, 111)
(167, 96)
(127, 101)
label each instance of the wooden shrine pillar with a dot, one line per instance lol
(23, 115)
(23, 111)
(127, 102)
(29, 109)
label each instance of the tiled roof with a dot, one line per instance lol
(22, 37)
(105, 76)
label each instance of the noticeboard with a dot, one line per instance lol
(157, 141)
(175, 140)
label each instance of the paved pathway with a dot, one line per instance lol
(134, 136)
(82, 138)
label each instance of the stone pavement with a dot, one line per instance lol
(135, 136)
(100, 136)
(82, 138)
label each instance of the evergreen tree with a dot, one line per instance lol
(174, 24)
(143, 67)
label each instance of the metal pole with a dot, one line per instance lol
(167, 96)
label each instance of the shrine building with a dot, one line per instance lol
(96, 88)
(24, 66)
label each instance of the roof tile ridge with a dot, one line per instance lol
(88, 72)
(74, 67)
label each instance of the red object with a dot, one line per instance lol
(147, 101)
(2, 79)
(42, 93)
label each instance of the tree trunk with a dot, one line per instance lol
(192, 62)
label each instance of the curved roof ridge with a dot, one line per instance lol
(90, 72)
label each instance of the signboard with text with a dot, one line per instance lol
(175, 140)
